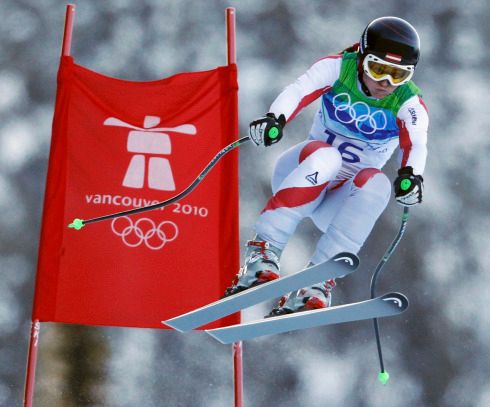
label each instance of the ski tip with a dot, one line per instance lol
(383, 377)
(398, 300)
(347, 259)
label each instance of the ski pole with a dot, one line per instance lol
(80, 223)
(383, 376)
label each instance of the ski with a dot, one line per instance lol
(340, 265)
(384, 306)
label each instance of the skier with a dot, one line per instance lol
(369, 106)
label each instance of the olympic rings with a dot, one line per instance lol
(145, 229)
(360, 113)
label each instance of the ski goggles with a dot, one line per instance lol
(379, 69)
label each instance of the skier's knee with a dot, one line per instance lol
(375, 181)
(321, 156)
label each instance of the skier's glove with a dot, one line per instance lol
(267, 130)
(408, 187)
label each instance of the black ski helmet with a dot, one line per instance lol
(391, 39)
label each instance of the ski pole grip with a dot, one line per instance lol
(273, 135)
(405, 184)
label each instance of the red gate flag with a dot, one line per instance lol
(118, 145)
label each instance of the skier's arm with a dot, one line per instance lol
(413, 121)
(307, 88)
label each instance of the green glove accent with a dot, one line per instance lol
(383, 377)
(273, 133)
(77, 224)
(405, 184)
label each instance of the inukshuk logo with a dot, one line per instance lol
(148, 146)
(153, 142)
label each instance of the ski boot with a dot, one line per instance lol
(261, 265)
(305, 299)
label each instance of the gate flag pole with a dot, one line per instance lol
(35, 329)
(67, 34)
(36, 324)
(237, 349)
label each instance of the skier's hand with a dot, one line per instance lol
(267, 130)
(408, 187)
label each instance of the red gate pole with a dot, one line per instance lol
(31, 363)
(231, 35)
(237, 348)
(238, 373)
(67, 35)
(36, 325)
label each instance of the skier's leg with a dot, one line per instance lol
(347, 216)
(305, 299)
(300, 177)
(368, 195)
(261, 265)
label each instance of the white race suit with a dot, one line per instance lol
(335, 177)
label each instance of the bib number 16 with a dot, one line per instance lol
(347, 156)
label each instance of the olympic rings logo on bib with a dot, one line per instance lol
(144, 231)
(359, 113)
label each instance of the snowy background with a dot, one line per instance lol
(437, 352)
